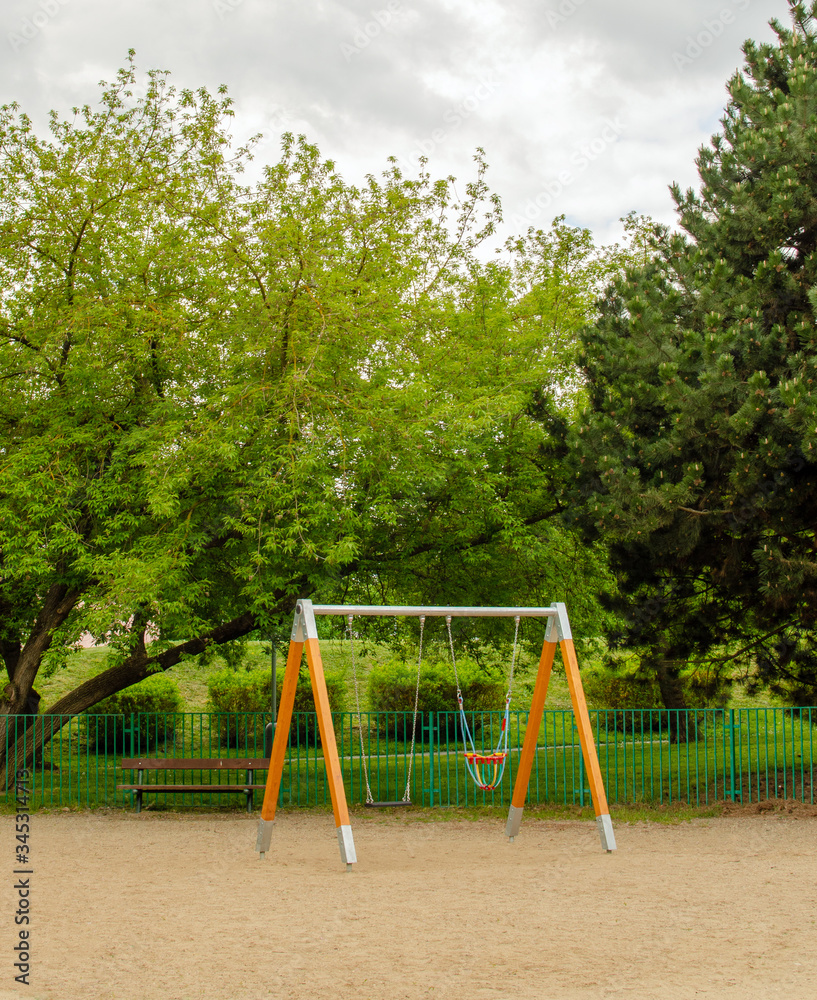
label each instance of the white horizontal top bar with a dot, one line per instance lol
(415, 611)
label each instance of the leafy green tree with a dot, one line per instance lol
(696, 455)
(494, 529)
(110, 323)
(221, 397)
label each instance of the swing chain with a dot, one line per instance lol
(453, 657)
(407, 793)
(369, 796)
(513, 658)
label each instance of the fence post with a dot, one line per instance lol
(731, 727)
(430, 730)
(129, 731)
(581, 780)
(582, 789)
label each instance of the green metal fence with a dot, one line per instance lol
(649, 756)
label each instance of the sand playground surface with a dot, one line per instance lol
(178, 906)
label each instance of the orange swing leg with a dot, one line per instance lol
(304, 634)
(588, 745)
(334, 775)
(279, 748)
(537, 708)
(558, 631)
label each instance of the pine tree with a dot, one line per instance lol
(697, 454)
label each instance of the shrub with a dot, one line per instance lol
(392, 686)
(234, 695)
(157, 695)
(239, 693)
(608, 687)
(623, 690)
(627, 691)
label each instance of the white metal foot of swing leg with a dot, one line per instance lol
(608, 838)
(346, 844)
(514, 821)
(262, 843)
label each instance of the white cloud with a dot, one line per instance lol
(550, 72)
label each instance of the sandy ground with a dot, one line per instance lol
(178, 906)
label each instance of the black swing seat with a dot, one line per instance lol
(385, 805)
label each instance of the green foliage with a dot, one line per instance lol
(696, 456)
(629, 694)
(392, 687)
(236, 693)
(612, 686)
(231, 690)
(499, 536)
(156, 694)
(219, 398)
(239, 693)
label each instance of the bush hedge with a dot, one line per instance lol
(392, 686)
(157, 694)
(239, 692)
(608, 686)
(627, 691)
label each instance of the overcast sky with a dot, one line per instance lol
(588, 108)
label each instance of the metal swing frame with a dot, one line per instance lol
(304, 638)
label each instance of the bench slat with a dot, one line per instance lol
(142, 764)
(195, 763)
(188, 788)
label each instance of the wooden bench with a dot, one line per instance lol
(142, 764)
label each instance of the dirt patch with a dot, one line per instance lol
(178, 907)
(790, 807)
(780, 784)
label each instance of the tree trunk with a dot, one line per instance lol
(16, 699)
(10, 652)
(668, 675)
(23, 747)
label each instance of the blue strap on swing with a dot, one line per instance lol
(475, 761)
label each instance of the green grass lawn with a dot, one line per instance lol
(772, 750)
(191, 676)
(772, 757)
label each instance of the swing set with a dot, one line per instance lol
(486, 769)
